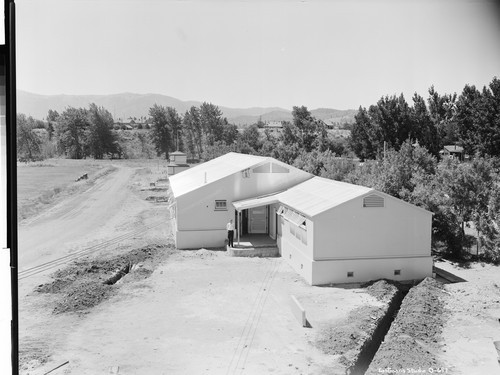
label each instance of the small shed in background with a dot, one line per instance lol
(178, 163)
(453, 152)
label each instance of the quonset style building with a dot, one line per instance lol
(328, 231)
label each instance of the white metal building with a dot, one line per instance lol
(334, 232)
(328, 231)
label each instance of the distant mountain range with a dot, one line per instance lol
(123, 106)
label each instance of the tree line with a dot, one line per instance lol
(76, 133)
(395, 147)
(471, 120)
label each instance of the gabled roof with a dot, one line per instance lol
(319, 194)
(212, 170)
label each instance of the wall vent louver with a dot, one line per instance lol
(373, 201)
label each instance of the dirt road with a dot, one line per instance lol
(81, 221)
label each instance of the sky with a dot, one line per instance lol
(333, 54)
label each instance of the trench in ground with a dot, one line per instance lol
(372, 344)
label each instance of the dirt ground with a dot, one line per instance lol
(473, 320)
(191, 312)
(205, 312)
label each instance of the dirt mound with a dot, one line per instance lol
(157, 199)
(81, 285)
(158, 189)
(83, 295)
(413, 342)
(383, 290)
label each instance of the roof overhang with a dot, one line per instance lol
(256, 202)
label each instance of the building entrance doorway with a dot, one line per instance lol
(257, 220)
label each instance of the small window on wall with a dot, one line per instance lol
(350, 274)
(220, 205)
(397, 272)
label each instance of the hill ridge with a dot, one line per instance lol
(129, 104)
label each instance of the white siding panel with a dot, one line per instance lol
(200, 239)
(353, 231)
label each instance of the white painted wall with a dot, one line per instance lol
(370, 242)
(200, 239)
(196, 210)
(295, 257)
(288, 240)
(352, 231)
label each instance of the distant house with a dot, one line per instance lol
(130, 124)
(178, 163)
(328, 231)
(123, 125)
(453, 152)
(273, 126)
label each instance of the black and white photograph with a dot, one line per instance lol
(256, 187)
